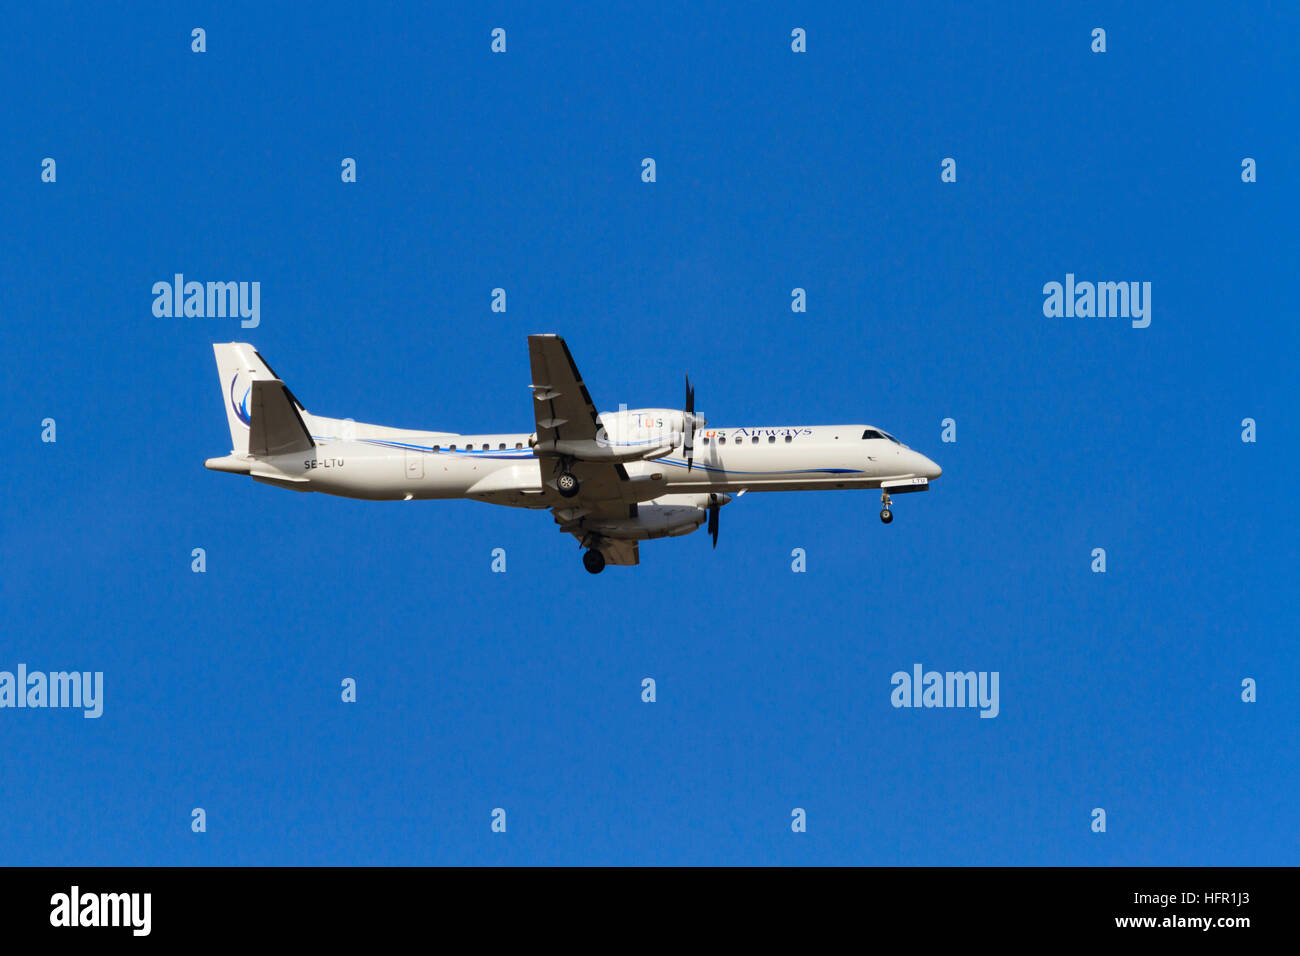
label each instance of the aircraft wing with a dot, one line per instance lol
(564, 411)
(562, 403)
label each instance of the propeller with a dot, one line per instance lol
(689, 423)
(714, 507)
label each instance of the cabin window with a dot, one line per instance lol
(518, 445)
(435, 448)
(721, 440)
(755, 440)
(453, 447)
(706, 441)
(503, 447)
(789, 438)
(771, 439)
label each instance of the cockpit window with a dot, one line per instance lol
(874, 433)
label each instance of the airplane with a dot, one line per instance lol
(611, 480)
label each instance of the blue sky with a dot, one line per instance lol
(775, 170)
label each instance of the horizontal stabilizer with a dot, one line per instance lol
(275, 427)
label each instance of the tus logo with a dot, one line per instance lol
(75, 908)
(213, 300)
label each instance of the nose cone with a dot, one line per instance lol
(928, 469)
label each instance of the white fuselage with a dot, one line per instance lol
(374, 462)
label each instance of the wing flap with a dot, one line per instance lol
(621, 552)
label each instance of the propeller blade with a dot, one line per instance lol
(688, 426)
(714, 507)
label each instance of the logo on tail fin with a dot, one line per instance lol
(240, 406)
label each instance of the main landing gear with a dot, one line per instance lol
(593, 561)
(566, 482)
(885, 514)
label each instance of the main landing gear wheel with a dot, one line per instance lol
(593, 561)
(885, 514)
(566, 484)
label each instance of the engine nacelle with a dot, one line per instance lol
(651, 521)
(626, 435)
(641, 427)
(666, 517)
(701, 500)
(638, 423)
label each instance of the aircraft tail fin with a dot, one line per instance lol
(263, 415)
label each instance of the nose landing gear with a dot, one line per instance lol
(885, 514)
